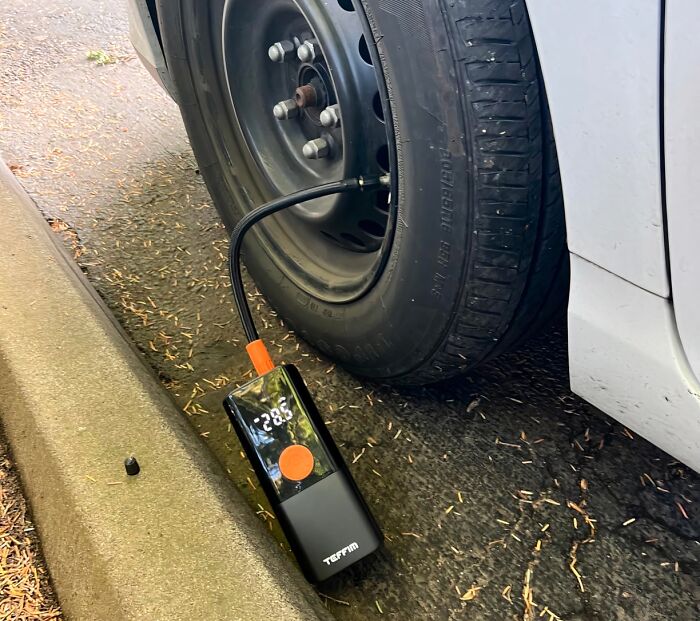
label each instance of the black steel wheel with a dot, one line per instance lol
(309, 105)
(466, 254)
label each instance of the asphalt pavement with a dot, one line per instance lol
(501, 494)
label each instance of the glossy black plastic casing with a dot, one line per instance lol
(328, 525)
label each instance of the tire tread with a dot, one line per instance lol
(518, 242)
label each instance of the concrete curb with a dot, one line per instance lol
(175, 542)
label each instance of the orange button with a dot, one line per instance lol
(296, 462)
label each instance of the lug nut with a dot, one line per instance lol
(281, 51)
(316, 149)
(286, 109)
(330, 117)
(308, 51)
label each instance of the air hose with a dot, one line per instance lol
(256, 348)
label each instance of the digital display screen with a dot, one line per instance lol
(274, 419)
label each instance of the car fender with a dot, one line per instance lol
(143, 32)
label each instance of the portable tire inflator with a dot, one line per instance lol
(319, 507)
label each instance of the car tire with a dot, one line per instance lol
(478, 257)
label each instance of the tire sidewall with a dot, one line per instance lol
(398, 324)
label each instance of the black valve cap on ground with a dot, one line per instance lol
(132, 466)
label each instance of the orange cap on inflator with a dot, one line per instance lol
(260, 357)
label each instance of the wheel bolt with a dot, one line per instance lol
(308, 51)
(316, 149)
(281, 51)
(330, 117)
(286, 109)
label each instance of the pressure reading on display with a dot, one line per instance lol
(277, 416)
(276, 423)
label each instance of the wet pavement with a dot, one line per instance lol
(502, 495)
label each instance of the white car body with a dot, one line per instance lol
(624, 90)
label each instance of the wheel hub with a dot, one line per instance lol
(314, 92)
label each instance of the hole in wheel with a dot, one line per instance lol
(377, 106)
(355, 241)
(372, 228)
(346, 5)
(364, 50)
(383, 157)
(382, 200)
(329, 236)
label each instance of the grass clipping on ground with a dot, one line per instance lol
(25, 591)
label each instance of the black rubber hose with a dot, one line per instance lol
(253, 217)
